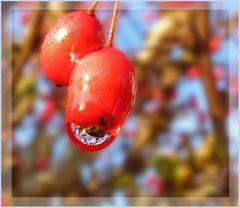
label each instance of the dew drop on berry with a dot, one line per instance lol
(92, 136)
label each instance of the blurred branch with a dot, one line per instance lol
(30, 41)
(57, 179)
(204, 61)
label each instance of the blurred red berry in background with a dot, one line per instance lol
(193, 72)
(215, 43)
(41, 163)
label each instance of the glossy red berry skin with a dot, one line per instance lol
(73, 36)
(101, 92)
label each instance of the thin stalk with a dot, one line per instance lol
(113, 24)
(92, 8)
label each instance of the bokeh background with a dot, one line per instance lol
(174, 143)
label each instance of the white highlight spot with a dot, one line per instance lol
(61, 33)
(85, 77)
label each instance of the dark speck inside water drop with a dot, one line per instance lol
(95, 131)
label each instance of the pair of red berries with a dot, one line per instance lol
(101, 79)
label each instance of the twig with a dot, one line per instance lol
(28, 44)
(113, 24)
(214, 102)
(92, 8)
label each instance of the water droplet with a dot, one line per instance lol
(82, 135)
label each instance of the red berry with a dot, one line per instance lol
(157, 94)
(72, 37)
(41, 163)
(48, 110)
(24, 19)
(155, 184)
(215, 44)
(3, 200)
(101, 92)
(193, 72)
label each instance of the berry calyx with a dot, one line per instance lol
(73, 36)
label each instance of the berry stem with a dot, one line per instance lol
(113, 24)
(92, 8)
